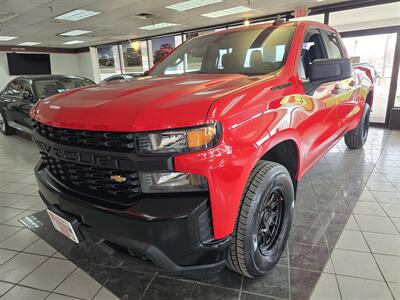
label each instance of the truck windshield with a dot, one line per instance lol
(250, 52)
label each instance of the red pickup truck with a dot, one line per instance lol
(197, 164)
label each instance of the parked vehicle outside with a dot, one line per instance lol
(196, 166)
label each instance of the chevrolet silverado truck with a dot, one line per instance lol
(196, 165)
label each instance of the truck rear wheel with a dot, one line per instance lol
(264, 220)
(356, 138)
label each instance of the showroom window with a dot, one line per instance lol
(383, 15)
(378, 52)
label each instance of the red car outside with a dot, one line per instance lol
(197, 164)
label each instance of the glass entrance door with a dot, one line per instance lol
(378, 52)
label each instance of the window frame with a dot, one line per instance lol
(309, 32)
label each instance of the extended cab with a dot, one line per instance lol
(197, 164)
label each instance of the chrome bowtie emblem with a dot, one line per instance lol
(118, 178)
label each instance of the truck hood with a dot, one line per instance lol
(148, 103)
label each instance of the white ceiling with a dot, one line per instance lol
(34, 20)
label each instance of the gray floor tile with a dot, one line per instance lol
(26, 202)
(59, 255)
(14, 221)
(390, 267)
(369, 208)
(6, 255)
(55, 296)
(357, 264)
(7, 213)
(363, 289)
(387, 197)
(383, 243)
(40, 247)
(105, 294)
(50, 274)
(326, 288)
(19, 266)
(5, 287)
(79, 284)
(393, 210)
(352, 224)
(7, 231)
(20, 240)
(376, 224)
(396, 222)
(381, 186)
(352, 240)
(395, 288)
(24, 293)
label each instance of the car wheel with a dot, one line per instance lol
(264, 220)
(4, 127)
(356, 138)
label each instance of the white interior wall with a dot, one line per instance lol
(80, 64)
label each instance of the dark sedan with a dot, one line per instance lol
(20, 94)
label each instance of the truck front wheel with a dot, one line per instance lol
(264, 220)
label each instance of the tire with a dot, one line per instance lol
(356, 138)
(4, 127)
(251, 253)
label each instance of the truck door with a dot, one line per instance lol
(347, 92)
(319, 128)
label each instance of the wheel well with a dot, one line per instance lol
(286, 154)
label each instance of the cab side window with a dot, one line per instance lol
(26, 88)
(313, 48)
(333, 45)
(13, 89)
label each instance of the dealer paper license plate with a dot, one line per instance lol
(63, 226)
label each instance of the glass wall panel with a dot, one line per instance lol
(316, 18)
(377, 51)
(367, 17)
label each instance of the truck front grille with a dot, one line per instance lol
(95, 181)
(101, 140)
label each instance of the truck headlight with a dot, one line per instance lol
(172, 182)
(179, 140)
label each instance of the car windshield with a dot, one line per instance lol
(51, 86)
(250, 52)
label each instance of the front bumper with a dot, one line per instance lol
(174, 232)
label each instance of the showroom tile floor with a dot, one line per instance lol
(345, 240)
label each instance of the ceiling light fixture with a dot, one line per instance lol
(77, 14)
(158, 26)
(190, 4)
(29, 43)
(75, 32)
(73, 42)
(227, 12)
(7, 38)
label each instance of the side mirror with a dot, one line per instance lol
(326, 70)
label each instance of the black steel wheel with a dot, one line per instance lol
(264, 220)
